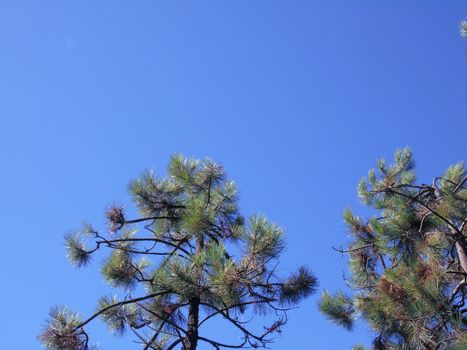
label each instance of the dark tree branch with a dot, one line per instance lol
(124, 302)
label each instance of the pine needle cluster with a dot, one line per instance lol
(175, 255)
(408, 263)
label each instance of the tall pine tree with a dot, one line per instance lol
(174, 257)
(408, 262)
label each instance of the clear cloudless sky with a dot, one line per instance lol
(296, 98)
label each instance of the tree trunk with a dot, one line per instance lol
(461, 253)
(461, 249)
(191, 339)
(462, 256)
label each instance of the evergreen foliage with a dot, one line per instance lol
(408, 263)
(175, 256)
(339, 308)
(463, 29)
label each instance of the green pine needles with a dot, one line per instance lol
(175, 257)
(463, 29)
(408, 263)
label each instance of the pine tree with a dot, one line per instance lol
(408, 262)
(175, 257)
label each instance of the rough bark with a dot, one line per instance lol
(462, 255)
(191, 339)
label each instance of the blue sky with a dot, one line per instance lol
(296, 98)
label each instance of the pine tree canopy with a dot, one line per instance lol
(408, 263)
(174, 270)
